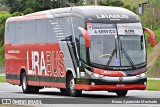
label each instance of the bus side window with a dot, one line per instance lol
(30, 31)
(77, 22)
(82, 48)
(20, 32)
(12, 32)
(51, 37)
(41, 33)
(65, 26)
(7, 37)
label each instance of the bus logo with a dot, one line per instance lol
(112, 16)
(120, 78)
(46, 63)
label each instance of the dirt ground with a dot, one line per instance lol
(153, 55)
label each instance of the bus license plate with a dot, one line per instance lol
(120, 85)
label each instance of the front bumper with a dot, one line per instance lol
(101, 84)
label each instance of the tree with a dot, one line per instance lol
(3, 16)
(117, 3)
(28, 6)
(27, 11)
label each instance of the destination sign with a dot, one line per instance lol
(130, 29)
(101, 29)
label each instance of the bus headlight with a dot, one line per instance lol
(94, 75)
(142, 75)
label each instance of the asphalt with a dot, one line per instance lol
(51, 97)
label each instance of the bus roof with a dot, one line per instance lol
(99, 14)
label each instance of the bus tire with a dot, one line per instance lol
(64, 91)
(71, 83)
(25, 87)
(121, 93)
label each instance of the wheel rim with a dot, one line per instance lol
(72, 85)
(24, 83)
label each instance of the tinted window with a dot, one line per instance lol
(20, 32)
(82, 48)
(77, 22)
(51, 32)
(30, 34)
(10, 32)
(58, 29)
(41, 33)
(65, 26)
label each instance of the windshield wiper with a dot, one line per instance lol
(128, 57)
(110, 58)
(112, 55)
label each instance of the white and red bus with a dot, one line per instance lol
(77, 48)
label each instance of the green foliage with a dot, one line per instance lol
(17, 14)
(4, 8)
(28, 6)
(154, 71)
(2, 79)
(27, 11)
(153, 85)
(117, 3)
(73, 1)
(3, 16)
(157, 63)
(129, 7)
(157, 34)
(1, 54)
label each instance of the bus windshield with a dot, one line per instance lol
(125, 49)
(133, 48)
(102, 47)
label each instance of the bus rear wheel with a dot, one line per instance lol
(121, 93)
(25, 87)
(71, 83)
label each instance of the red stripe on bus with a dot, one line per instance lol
(17, 82)
(53, 84)
(109, 73)
(47, 84)
(110, 87)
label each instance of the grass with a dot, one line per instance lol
(11, 105)
(2, 79)
(153, 85)
(154, 71)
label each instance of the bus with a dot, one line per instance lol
(90, 48)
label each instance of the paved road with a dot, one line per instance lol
(96, 97)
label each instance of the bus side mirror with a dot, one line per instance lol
(151, 35)
(86, 37)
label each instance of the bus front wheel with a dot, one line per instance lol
(73, 92)
(121, 93)
(25, 87)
